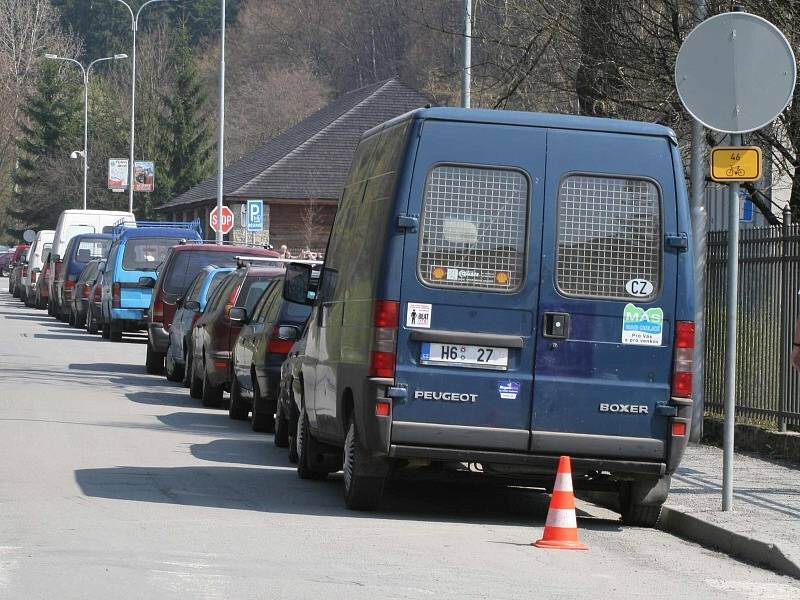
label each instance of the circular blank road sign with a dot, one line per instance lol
(735, 72)
(29, 235)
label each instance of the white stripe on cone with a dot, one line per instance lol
(561, 517)
(563, 483)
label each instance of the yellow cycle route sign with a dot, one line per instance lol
(736, 163)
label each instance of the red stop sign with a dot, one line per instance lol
(227, 219)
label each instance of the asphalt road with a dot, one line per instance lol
(116, 484)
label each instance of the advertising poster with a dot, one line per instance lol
(118, 174)
(144, 173)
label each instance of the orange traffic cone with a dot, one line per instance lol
(561, 527)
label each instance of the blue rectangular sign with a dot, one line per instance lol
(255, 215)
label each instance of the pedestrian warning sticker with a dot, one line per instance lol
(419, 315)
(642, 327)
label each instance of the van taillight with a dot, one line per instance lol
(69, 284)
(158, 308)
(115, 295)
(24, 272)
(98, 294)
(59, 266)
(384, 339)
(278, 344)
(33, 276)
(684, 359)
(87, 288)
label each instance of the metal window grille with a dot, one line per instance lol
(473, 229)
(609, 232)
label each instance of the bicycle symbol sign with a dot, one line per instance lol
(736, 163)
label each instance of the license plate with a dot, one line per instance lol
(462, 355)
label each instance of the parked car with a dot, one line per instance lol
(182, 265)
(77, 254)
(214, 334)
(5, 260)
(527, 292)
(71, 223)
(39, 250)
(189, 307)
(132, 268)
(15, 269)
(267, 335)
(81, 294)
(94, 308)
(21, 274)
(288, 411)
(42, 299)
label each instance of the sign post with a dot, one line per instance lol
(734, 73)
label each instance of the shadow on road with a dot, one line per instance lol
(243, 452)
(113, 368)
(58, 336)
(204, 422)
(163, 398)
(43, 319)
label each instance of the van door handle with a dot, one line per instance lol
(556, 325)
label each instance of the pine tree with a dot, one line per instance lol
(186, 138)
(50, 127)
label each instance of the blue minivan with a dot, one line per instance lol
(134, 259)
(499, 289)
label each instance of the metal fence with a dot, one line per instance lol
(767, 387)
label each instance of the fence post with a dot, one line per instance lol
(786, 318)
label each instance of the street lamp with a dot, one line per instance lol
(85, 71)
(135, 28)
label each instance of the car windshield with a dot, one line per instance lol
(146, 254)
(251, 291)
(186, 265)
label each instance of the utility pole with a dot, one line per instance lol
(466, 76)
(221, 142)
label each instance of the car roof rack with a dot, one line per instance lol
(123, 225)
(245, 260)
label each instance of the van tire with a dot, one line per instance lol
(640, 502)
(281, 428)
(212, 394)
(195, 382)
(361, 492)
(263, 421)
(187, 369)
(306, 448)
(91, 322)
(105, 331)
(237, 409)
(154, 362)
(115, 331)
(172, 371)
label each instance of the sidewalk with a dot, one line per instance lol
(764, 526)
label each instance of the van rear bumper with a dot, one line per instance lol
(546, 463)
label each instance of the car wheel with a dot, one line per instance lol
(263, 418)
(281, 428)
(212, 394)
(238, 409)
(306, 450)
(187, 369)
(105, 331)
(172, 371)
(91, 323)
(196, 382)
(71, 319)
(154, 362)
(361, 491)
(115, 331)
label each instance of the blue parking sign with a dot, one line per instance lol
(255, 215)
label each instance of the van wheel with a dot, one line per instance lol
(635, 512)
(361, 492)
(263, 418)
(91, 323)
(306, 449)
(172, 371)
(212, 394)
(281, 428)
(154, 362)
(187, 369)
(115, 331)
(106, 331)
(237, 410)
(196, 382)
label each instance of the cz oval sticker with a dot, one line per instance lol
(640, 288)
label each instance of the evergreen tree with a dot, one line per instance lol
(185, 147)
(50, 128)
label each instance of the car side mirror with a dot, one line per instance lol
(288, 332)
(297, 283)
(55, 257)
(238, 314)
(191, 305)
(147, 282)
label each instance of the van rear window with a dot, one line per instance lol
(146, 254)
(89, 249)
(609, 233)
(473, 229)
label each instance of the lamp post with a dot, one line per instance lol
(221, 143)
(86, 71)
(131, 158)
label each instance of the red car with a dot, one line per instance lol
(181, 266)
(214, 334)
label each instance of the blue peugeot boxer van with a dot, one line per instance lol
(131, 271)
(499, 289)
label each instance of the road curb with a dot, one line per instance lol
(731, 543)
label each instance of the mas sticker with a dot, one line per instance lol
(642, 327)
(419, 315)
(508, 390)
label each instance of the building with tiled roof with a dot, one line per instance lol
(299, 174)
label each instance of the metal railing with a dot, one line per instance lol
(767, 387)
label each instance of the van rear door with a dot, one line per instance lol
(608, 296)
(470, 286)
